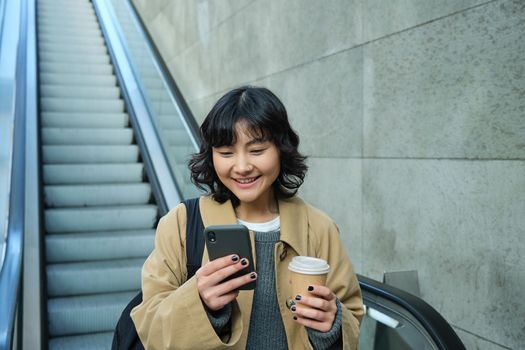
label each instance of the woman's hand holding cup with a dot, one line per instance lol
(314, 304)
(320, 311)
(213, 290)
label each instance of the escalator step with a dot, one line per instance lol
(48, 18)
(79, 33)
(50, 10)
(79, 91)
(90, 154)
(86, 314)
(70, 39)
(64, 7)
(100, 218)
(88, 246)
(61, 11)
(93, 50)
(86, 136)
(70, 4)
(66, 105)
(80, 22)
(61, 174)
(84, 120)
(93, 277)
(73, 79)
(95, 341)
(80, 68)
(73, 58)
(96, 195)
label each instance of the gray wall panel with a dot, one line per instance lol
(454, 88)
(329, 92)
(386, 17)
(473, 342)
(340, 198)
(461, 225)
(250, 45)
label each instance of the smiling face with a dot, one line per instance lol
(248, 168)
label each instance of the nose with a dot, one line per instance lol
(242, 165)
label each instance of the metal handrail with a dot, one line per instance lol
(12, 92)
(167, 107)
(162, 180)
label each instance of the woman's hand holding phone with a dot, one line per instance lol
(213, 290)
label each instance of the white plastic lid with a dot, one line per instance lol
(308, 265)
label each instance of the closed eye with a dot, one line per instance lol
(225, 154)
(257, 151)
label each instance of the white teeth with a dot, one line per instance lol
(245, 181)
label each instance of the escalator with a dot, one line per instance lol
(98, 210)
(115, 134)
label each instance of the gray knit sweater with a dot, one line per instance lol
(266, 325)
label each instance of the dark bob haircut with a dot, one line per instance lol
(265, 117)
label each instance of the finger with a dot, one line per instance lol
(218, 276)
(220, 302)
(316, 303)
(318, 326)
(217, 264)
(235, 283)
(321, 291)
(314, 314)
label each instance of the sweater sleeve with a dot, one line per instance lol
(172, 315)
(220, 319)
(325, 340)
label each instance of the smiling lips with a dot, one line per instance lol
(246, 182)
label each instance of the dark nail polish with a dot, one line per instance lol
(297, 297)
(235, 258)
(253, 275)
(295, 318)
(310, 288)
(244, 262)
(293, 308)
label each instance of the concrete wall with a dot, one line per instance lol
(413, 115)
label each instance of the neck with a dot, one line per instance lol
(262, 210)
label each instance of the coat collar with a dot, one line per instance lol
(292, 212)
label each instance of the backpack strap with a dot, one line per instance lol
(126, 337)
(194, 236)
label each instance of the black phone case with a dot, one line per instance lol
(230, 239)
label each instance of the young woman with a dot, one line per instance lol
(250, 165)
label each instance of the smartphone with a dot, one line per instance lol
(222, 240)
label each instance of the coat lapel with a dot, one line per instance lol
(294, 224)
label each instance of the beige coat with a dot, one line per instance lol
(172, 315)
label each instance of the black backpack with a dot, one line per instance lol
(126, 337)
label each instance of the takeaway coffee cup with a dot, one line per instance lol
(306, 271)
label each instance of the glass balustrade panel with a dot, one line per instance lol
(171, 128)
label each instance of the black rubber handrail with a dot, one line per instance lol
(437, 327)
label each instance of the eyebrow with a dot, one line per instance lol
(257, 141)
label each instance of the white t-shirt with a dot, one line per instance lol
(269, 226)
